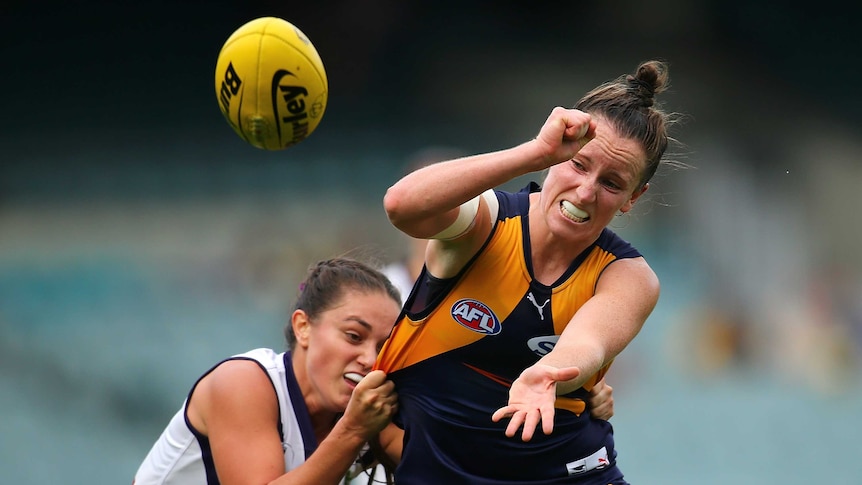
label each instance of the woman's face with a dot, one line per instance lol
(579, 198)
(340, 341)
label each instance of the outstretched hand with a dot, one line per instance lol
(564, 133)
(531, 399)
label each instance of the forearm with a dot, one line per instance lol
(329, 462)
(392, 442)
(588, 358)
(625, 295)
(423, 201)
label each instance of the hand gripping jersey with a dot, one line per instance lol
(182, 456)
(460, 343)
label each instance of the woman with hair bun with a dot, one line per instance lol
(526, 298)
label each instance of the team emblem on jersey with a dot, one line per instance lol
(476, 316)
(542, 345)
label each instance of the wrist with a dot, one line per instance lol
(349, 436)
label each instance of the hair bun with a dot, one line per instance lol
(643, 89)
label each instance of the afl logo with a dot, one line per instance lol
(476, 316)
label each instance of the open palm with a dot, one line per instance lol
(531, 399)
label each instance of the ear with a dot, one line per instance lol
(635, 196)
(301, 327)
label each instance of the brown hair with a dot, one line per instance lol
(628, 104)
(326, 282)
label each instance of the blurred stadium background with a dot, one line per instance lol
(141, 240)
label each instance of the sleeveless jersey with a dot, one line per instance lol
(461, 342)
(182, 456)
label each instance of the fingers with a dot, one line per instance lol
(565, 132)
(370, 410)
(588, 134)
(374, 402)
(375, 393)
(597, 391)
(529, 420)
(516, 418)
(374, 387)
(577, 130)
(601, 401)
(566, 374)
(605, 412)
(515, 423)
(547, 420)
(373, 379)
(580, 129)
(531, 399)
(591, 132)
(577, 123)
(503, 412)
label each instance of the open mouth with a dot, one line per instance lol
(573, 213)
(353, 376)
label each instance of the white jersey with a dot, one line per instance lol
(400, 277)
(182, 456)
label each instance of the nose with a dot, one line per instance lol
(586, 190)
(368, 356)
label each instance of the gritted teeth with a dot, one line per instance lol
(353, 376)
(573, 212)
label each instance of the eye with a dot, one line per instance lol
(612, 185)
(353, 337)
(578, 165)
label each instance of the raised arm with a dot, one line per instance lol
(443, 201)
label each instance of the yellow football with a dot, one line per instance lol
(270, 83)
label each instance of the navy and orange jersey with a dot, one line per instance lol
(462, 341)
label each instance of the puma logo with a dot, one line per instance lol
(540, 308)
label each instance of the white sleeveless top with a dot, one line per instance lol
(182, 456)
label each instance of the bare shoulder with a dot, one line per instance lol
(237, 374)
(234, 389)
(631, 274)
(446, 258)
